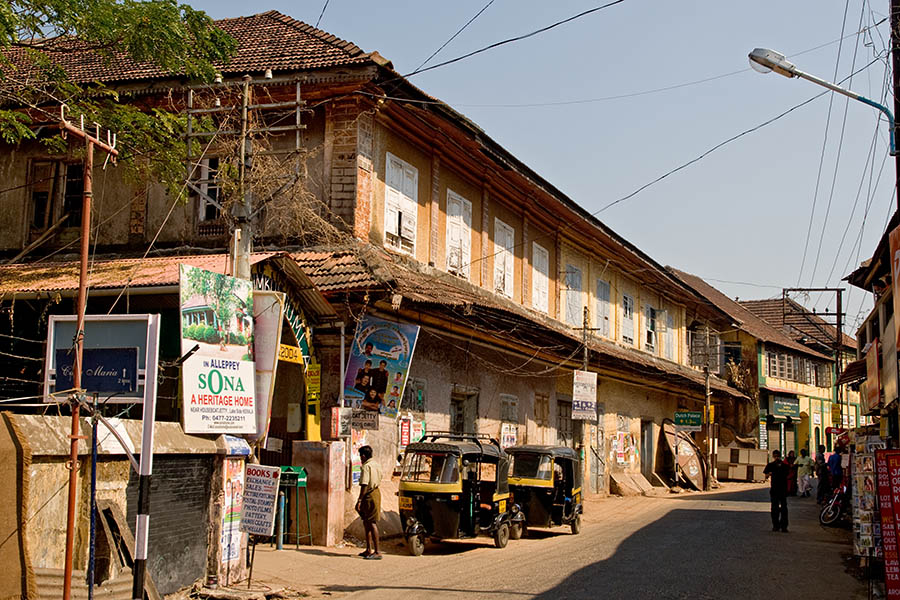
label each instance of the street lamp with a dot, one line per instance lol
(766, 61)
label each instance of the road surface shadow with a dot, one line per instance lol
(709, 552)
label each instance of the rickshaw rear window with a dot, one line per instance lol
(535, 466)
(430, 467)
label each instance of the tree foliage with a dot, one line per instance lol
(163, 33)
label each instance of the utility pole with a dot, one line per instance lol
(584, 339)
(895, 71)
(709, 457)
(243, 232)
(78, 394)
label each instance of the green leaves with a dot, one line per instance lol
(164, 33)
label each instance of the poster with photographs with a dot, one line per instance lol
(864, 503)
(379, 364)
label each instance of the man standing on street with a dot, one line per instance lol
(778, 471)
(369, 504)
(804, 472)
(823, 487)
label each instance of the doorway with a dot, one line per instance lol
(564, 429)
(647, 450)
(464, 411)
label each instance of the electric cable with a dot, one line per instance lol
(453, 37)
(322, 14)
(812, 212)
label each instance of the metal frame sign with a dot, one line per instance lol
(218, 382)
(260, 495)
(118, 350)
(584, 396)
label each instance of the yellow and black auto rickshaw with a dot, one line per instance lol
(455, 486)
(545, 481)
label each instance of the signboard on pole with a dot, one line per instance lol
(584, 396)
(105, 370)
(380, 357)
(219, 380)
(116, 355)
(686, 420)
(887, 468)
(260, 496)
(873, 377)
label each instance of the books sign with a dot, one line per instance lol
(260, 494)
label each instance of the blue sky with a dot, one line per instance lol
(740, 214)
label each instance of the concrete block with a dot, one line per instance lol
(758, 457)
(755, 473)
(744, 456)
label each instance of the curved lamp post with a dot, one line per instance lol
(766, 61)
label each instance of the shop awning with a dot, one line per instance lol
(854, 372)
(779, 390)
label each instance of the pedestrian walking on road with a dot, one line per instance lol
(823, 487)
(836, 467)
(777, 472)
(804, 466)
(369, 504)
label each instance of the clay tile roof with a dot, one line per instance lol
(796, 321)
(335, 270)
(749, 322)
(269, 40)
(105, 274)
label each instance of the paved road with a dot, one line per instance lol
(698, 546)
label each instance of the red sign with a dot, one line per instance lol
(873, 379)
(405, 427)
(894, 240)
(887, 467)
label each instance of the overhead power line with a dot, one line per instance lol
(453, 37)
(515, 39)
(322, 14)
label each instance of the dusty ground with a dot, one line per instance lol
(711, 545)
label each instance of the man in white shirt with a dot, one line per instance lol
(369, 504)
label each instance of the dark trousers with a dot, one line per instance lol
(779, 510)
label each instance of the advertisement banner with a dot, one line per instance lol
(219, 380)
(584, 396)
(873, 378)
(260, 495)
(894, 241)
(379, 365)
(887, 468)
(233, 486)
(268, 316)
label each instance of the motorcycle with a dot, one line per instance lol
(837, 506)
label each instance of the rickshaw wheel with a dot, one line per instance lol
(415, 544)
(501, 536)
(517, 530)
(576, 525)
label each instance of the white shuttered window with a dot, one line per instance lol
(574, 311)
(401, 202)
(459, 234)
(504, 241)
(540, 277)
(601, 312)
(627, 319)
(670, 336)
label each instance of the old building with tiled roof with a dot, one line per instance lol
(799, 396)
(400, 209)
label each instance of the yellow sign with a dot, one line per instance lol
(405, 503)
(835, 414)
(712, 414)
(313, 381)
(290, 354)
(502, 507)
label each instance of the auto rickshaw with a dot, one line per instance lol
(454, 486)
(545, 481)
